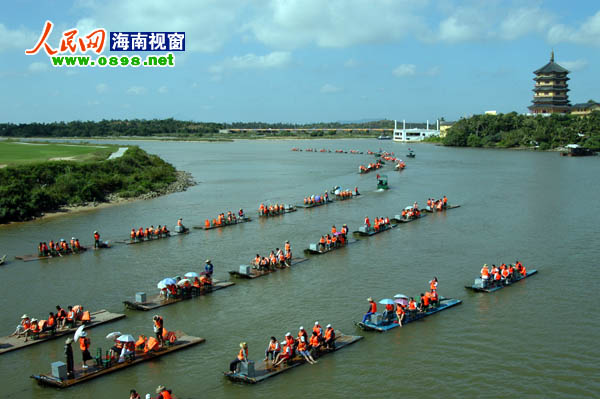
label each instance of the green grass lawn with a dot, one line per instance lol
(17, 153)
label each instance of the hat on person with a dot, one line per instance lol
(69, 341)
(288, 334)
(160, 388)
(243, 345)
(370, 299)
(148, 396)
(72, 238)
(316, 323)
(34, 319)
(24, 316)
(207, 260)
(302, 338)
(301, 328)
(83, 334)
(95, 231)
(328, 325)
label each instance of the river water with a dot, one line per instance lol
(537, 338)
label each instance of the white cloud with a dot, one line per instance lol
(163, 89)
(207, 24)
(522, 21)
(21, 39)
(136, 90)
(586, 33)
(276, 59)
(575, 65)
(36, 67)
(405, 70)
(328, 88)
(101, 88)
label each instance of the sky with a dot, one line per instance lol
(300, 61)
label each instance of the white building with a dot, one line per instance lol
(416, 134)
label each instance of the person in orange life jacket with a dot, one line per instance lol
(424, 303)
(388, 313)
(511, 272)
(367, 222)
(116, 349)
(23, 327)
(84, 345)
(372, 310)
(434, 299)
(433, 284)
(322, 243)
(317, 329)
(70, 318)
(134, 395)
(96, 239)
(51, 323)
(303, 350)
(241, 357)
(285, 354)
(329, 337)
(290, 341)
(163, 393)
(445, 201)
(158, 327)
(485, 275)
(505, 274)
(400, 313)
(273, 349)
(412, 307)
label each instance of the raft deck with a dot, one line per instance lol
(478, 288)
(445, 303)
(237, 221)
(279, 213)
(314, 205)
(313, 252)
(137, 241)
(8, 344)
(98, 371)
(263, 371)
(29, 258)
(255, 273)
(372, 232)
(422, 215)
(160, 301)
(429, 210)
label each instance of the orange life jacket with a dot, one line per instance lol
(373, 307)
(314, 341)
(399, 310)
(151, 344)
(84, 343)
(287, 247)
(51, 321)
(322, 240)
(274, 346)
(96, 236)
(412, 305)
(132, 233)
(243, 354)
(328, 333)
(165, 394)
(86, 316)
(317, 329)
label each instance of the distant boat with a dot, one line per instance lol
(384, 137)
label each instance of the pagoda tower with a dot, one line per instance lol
(550, 91)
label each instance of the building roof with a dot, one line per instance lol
(588, 105)
(551, 67)
(551, 88)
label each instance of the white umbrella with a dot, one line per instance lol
(161, 285)
(398, 296)
(113, 335)
(182, 282)
(126, 338)
(191, 274)
(78, 332)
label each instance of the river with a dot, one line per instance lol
(537, 338)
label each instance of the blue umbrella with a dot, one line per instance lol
(169, 281)
(386, 302)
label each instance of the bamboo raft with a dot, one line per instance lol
(262, 371)
(160, 301)
(138, 241)
(281, 212)
(401, 220)
(445, 303)
(479, 288)
(97, 370)
(8, 344)
(319, 252)
(372, 231)
(428, 209)
(29, 258)
(255, 273)
(314, 205)
(237, 221)
(2, 260)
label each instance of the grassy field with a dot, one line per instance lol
(20, 153)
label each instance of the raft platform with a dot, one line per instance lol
(255, 273)
(136, 241)
(445, 303)
(160, 301)
(98, 371)
(279, 213)
(29, 258)
(314, 205)
(262, 370)
(238, 221)
(429, 210)
(479, 288)
(394, 219)
(372, 231)
(8, 344)
(313, 251)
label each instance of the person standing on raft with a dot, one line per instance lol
(96, 239)
(372, 310)
(69, 358)
(84, 345)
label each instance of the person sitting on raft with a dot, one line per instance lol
(388, 313)
(372, 310)
(303, 350)
(163, 393)
(412, 308)
(284, 355)
(424, 303)
(273, 349)
(329, 337)
(241, 357)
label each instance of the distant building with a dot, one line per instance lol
(550, 90)
(415, 134)
(491, 112)
(585, 108)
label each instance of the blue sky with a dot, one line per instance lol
(303, 60)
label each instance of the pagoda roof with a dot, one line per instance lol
(551, 88)
(549, 106)
(588, 105)
(551, 67)
(555, 77)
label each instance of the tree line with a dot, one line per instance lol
(27, 191)
(516, 130)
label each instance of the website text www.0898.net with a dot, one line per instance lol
(161, 61)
